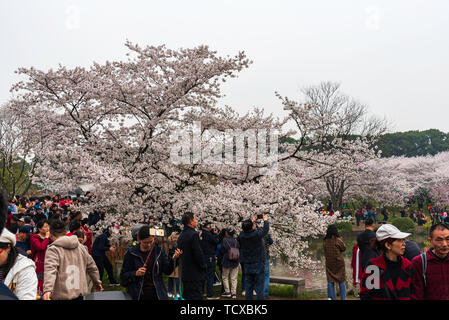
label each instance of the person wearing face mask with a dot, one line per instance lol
(143, 266)
(431, 278)
(389, 276)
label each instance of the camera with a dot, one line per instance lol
(260, 216)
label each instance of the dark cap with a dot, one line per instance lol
(26, 229)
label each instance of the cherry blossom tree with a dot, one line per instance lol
(394, 179)
(112, 122)
(119, 126)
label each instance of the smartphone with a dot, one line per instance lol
(157, 232)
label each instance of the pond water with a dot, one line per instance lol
(316, 283)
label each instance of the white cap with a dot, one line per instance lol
(8, 237)
(390, 231)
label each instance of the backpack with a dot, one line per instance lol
(233, 253)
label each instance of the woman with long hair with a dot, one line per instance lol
(335, 264)
(39, 243)
(389, 276)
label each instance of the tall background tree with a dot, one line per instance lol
(18, 137)
(342, 139)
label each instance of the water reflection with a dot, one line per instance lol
(316, 282)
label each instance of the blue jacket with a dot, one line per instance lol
(101, 245)
(252, 249)
(133, 261)
(268, 241)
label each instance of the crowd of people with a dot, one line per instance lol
(388, 266)
(418, 216)
(434, 215)
(192, 259)
(47, 251)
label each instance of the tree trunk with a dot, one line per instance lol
(336, 191)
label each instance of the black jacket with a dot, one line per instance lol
(193, 266)
(252, 248)
(208, 242)
(411, 250)
(38, 217)
(95, 217)
(133, 261)
(101, 245)
(366, 253)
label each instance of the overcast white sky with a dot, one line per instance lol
(390, 55)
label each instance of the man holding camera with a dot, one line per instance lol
(209, 241)
(253, 256)
(144, 264)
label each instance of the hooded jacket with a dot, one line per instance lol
(66, 265)
(437, 278)
(22, 279)
(387, 290)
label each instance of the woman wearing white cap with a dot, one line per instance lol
(17, 272)
(388, 277)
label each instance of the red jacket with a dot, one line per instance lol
(8, 221)
(437, 277)
(88, 236)
(38, 250)
(356, 264)
(387, 290)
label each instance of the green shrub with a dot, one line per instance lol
(344, 226)
(404, 224)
